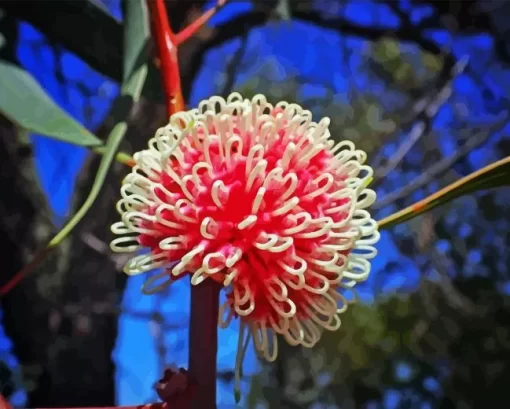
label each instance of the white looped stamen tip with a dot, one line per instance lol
(292, 270)
(198, 276)
(126, 244)
(204, 227)
(290, 150)
(279, 295)
(155, 285)
(234, 258)
(293, 179)
(286, 207)
(230, 277)
(229, 148)
(179, 211)
(240, 301)
(172, 243)
(218, 188)
(247, 222)
(258, 170)
(324, 223)
(179, 267)
(258, 200)
(206, 264)
(255, 154)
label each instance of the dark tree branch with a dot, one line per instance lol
(478, 137)
(97, 36)
(83, 28)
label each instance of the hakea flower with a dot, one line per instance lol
(259, 198)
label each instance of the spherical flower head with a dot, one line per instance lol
(259, 198)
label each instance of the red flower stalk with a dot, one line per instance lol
(167, 52)
(204, 299)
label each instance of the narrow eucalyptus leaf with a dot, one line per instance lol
(495, 175)
(136, 33)
(25, 103)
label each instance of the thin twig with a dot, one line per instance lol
(193, 28)
(436, 170)
(425, 118)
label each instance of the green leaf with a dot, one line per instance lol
(136, 35)
(494, 175)
(26, 104)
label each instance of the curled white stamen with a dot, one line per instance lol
(271, 241)
(272, 176)
(230, 276)
(162, 220)
(218, 187)
(258, 200)
(179, 267)
(257, 170)
(292, 270)
(172, 243)
(234, 258)
(208, 221)
(293, 179)
(225, 315)
(229, 148)
(286, 207)
(281, 294)
(287, 155)
(199, 166)
(247, 222)
(325, 224)
(207, 260)
(267, 348)
(155, 285)
(145, 262)
(126, 244)
(328, 177)
(255, 154)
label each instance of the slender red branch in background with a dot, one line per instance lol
(4, 404)
(192, 29)
(26, 270)
(167, 53)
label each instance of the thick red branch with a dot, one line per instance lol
(167, 53)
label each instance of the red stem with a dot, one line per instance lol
(203, 344)
(203, 347)
(167, 53)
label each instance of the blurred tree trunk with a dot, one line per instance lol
(63, 319)
(25, 225)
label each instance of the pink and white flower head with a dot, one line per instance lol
(259, 198)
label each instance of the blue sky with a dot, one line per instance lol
(298, 47)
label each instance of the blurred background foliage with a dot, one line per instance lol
(422, 86)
